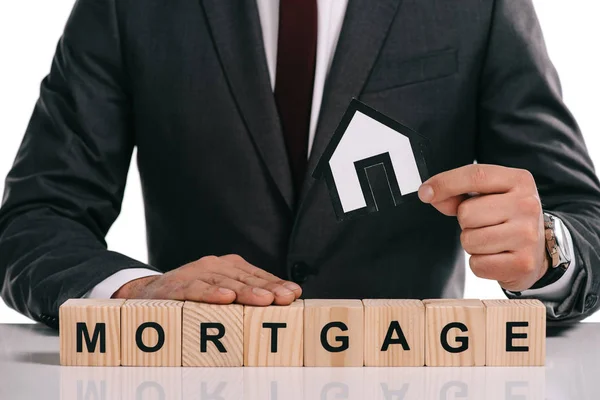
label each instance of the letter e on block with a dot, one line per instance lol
(151, 333)
(454, 333)
(212, 335)
(90, 332)
(394, 333)
(516, 332)
(333, 333)
(273, 336)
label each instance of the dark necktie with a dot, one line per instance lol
(296, 55)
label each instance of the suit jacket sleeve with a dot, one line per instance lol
(66, 186)
(525, 124)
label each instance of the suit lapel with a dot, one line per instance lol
(364, 30)
(236, 32)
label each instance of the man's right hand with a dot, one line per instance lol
(217, 280)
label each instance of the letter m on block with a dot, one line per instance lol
(91, 343)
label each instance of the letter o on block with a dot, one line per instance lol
(333, 333)
(151, 333)
(90, 332)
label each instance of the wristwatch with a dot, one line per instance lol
(557, 250)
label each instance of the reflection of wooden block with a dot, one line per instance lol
(88, 383)
(273, 384)
(456, 383)
(212, 335)
(523, 383)
(273, 335)
(395, 384)
(149, 384)
(394, 333)
(454, 332)
(333, 333)
(215, 384)
(90, 332)
(151, 333)
(516, 332)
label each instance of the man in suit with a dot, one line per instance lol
(230, 105)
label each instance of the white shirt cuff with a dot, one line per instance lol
(108, 287)
(559, 290)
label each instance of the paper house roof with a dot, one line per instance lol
(371, 163)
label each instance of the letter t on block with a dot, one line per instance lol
(90, 332)
(212, 335)
(273, 336)
(516, 332)
(333, 333)
(454, 333)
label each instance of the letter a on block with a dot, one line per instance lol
(90, 332)
(394, 333)
(333, 333)
(212, 335)
(454, 333)
(151, 333)
(516, 332)
(273, 336)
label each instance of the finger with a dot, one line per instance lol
(506, 268)
(245, 266)
(499, 238)
(283, 296)
(245, 294)
(450, 206)
(499, 267)
(203, 292)
(476, 178)
(486, 210)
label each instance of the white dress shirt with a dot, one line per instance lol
(330, 19)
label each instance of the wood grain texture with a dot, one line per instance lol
(257, 339)
(438, 314)
(167, 314)
(317, 314)
(90, 312)
(528, 351)
(231, 317)
(409, 315)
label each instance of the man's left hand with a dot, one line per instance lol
(500, 213)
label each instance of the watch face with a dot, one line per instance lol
(562, 243)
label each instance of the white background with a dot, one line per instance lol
(29, 31)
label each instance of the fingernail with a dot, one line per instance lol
(426, 193)
(260, 292)
(292, 286)
(225, 291)
(281, 291)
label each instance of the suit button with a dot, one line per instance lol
(590, 301)
(300, 272)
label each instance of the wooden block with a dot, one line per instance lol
(394, 333)
(273, 336)
(90, 332)
(516, 332)
(454, 332)
(212, 335)
(333, 333)
(151, 333)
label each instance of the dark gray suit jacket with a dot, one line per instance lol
(186, 82)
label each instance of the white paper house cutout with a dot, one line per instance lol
(372, 163)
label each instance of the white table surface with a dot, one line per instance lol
(29, 370)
